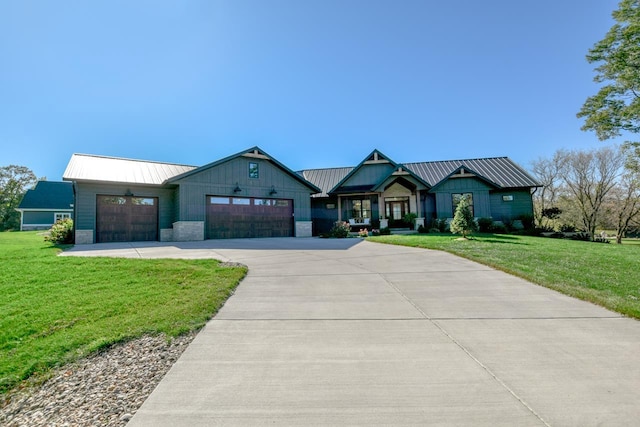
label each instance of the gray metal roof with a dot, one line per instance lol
(48, 195)
(500, 170)
(87, 167)
(325, 179)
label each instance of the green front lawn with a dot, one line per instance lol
(57, 309)
(605, 274)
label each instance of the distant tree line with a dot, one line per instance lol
(589, 190)
(14, 183)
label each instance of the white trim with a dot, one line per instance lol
(43, 210)
(39, 225)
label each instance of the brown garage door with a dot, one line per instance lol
(240, 217)
(126, 219)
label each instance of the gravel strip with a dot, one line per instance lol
(105, 389)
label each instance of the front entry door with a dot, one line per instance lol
(395, 211)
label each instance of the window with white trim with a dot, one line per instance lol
(59, 216)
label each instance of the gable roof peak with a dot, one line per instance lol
(377, 156)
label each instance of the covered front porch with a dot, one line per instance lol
(398, 203)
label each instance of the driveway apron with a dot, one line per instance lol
(349, 332)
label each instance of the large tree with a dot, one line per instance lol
(616, 107)
(14, 182)
(548, 172)
(625, 205)
(589, 177)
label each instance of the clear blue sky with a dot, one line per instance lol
(314, 83)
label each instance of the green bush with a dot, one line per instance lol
(422, 230)
(439, 224)
(497, 228)
(527, 221)
(385, 231)
(410, 219)
(340, 230)
(61, 233)
(484, 225)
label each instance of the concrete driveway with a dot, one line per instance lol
(348, 332)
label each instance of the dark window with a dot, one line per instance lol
(360, 209)
(456, 200)
(253, 170)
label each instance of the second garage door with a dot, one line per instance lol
(126, 219)
(242, 217)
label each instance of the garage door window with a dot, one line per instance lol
(113, 200)
(245, 202)
(219, 200)
(140, 201)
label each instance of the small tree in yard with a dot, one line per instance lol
(463, 222)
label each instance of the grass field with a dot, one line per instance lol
(605, 274)
(57, 309)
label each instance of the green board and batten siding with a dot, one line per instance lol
(368, 175)
(481, 197)
(221, 180)
(522, 204)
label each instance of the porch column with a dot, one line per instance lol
(339, 208)
(420, 218)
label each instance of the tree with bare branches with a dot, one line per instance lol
(589, 177)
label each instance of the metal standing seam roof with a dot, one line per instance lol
(325, 179)
(48, 195)
(500, 170)
(87, 167)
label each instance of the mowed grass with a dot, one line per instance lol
(55, 309)
(605, 274)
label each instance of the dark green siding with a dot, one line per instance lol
(322, 217)
(222, 179)
(369, 175)
(481, 197)
(501, 210)
(429, 208)
(37, 217)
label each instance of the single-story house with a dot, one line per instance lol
(251, 194)
(381, 192)
(45, 204)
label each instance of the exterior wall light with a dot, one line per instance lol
(237, 189)
(273, 191)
